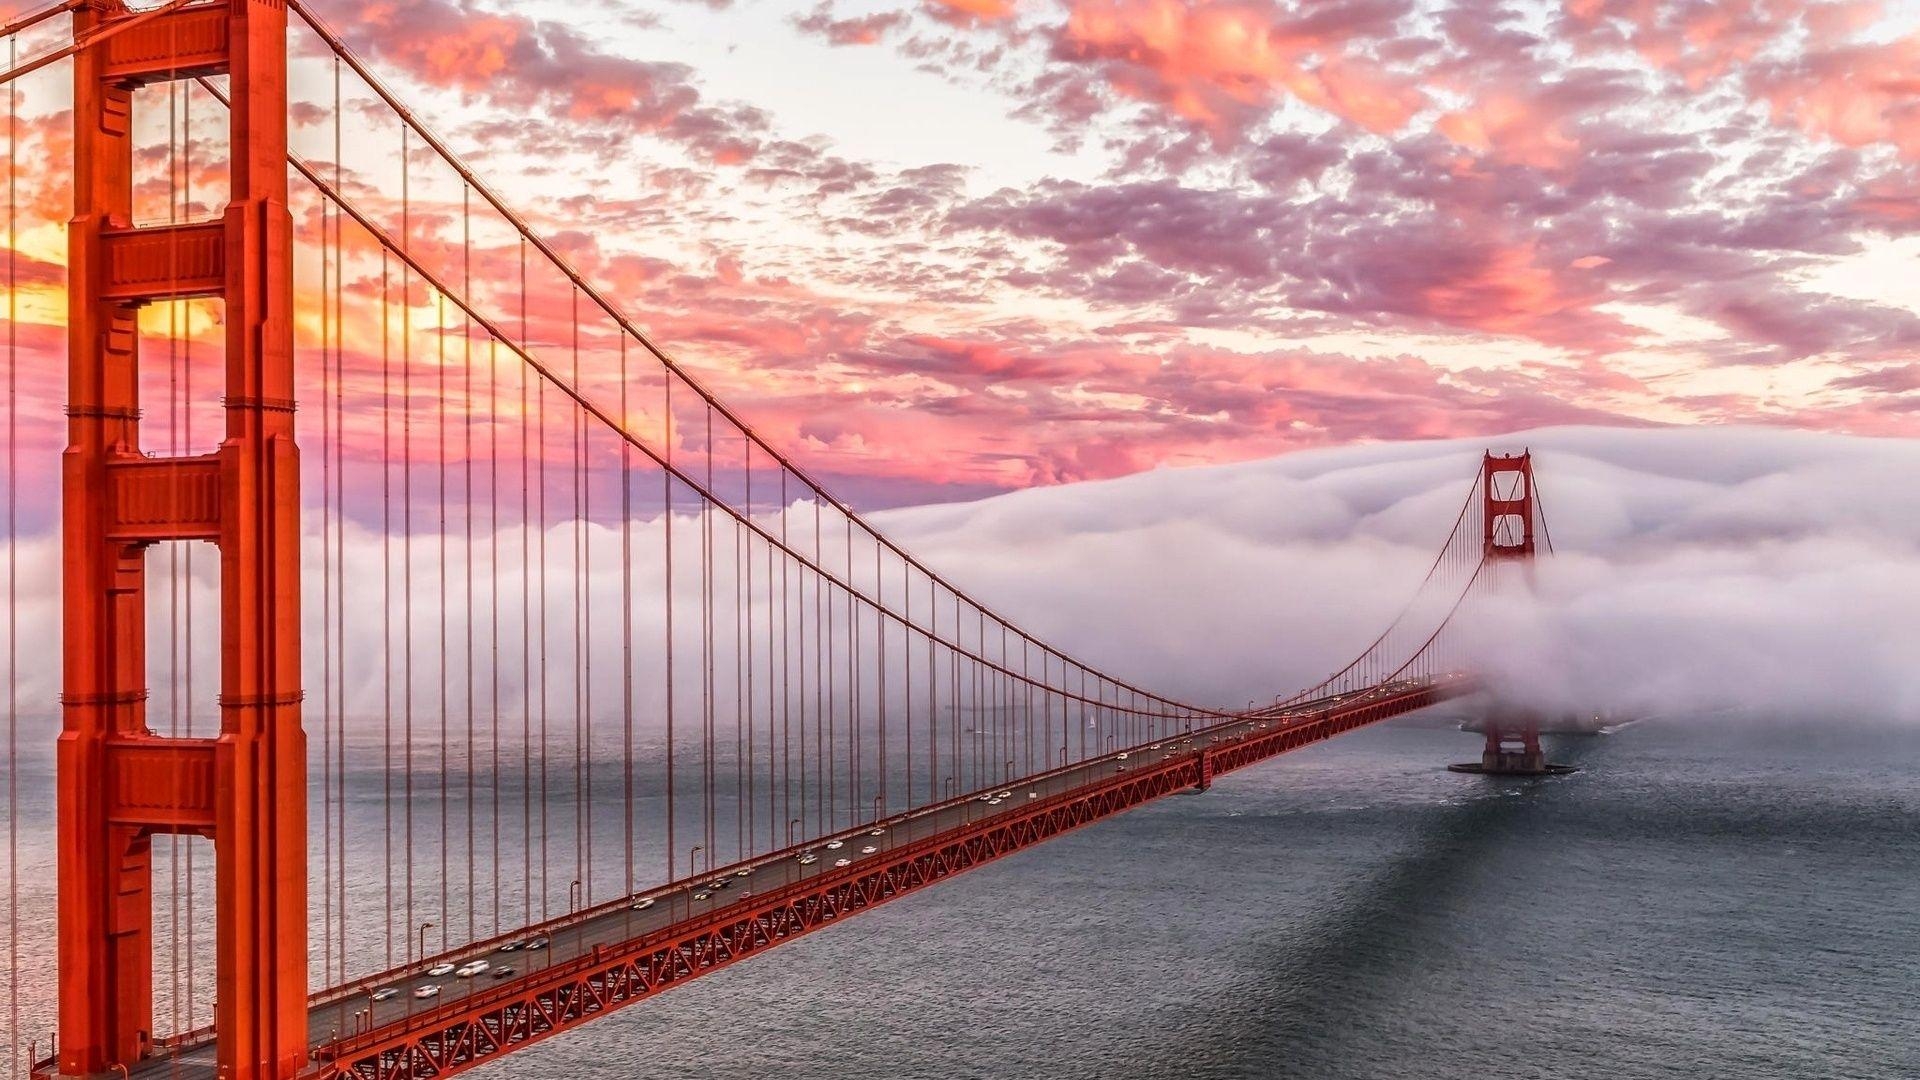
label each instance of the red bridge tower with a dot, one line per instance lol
(1507, 515)
(119, 783)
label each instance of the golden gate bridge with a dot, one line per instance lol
(641, 698)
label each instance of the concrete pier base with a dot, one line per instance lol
(1512, 750)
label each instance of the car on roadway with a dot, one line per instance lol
(641, 904)
(702, 895)
(440, 969)
(869, 849)
(386, 993)
(422, 993)
(469, 970)
(836, 845)
(513, 946)
(536, 944)
(842, 862)
(876, 832)
(745, 871)
(502, 971)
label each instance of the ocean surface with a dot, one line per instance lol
(1715, 898)
(1705, 898)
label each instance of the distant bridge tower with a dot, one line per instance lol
(119, 783)
(1507, 514)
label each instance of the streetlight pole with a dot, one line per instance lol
(573, 895)
(424, 927)
(790, 826)
(687, 890)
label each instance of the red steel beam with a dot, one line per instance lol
(484, 1027)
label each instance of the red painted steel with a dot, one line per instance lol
(1506, 488)
(119, 783)
(484, 1027)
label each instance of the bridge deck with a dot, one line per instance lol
(613, 955)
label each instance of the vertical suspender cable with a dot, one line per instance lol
(526, 624)
(540, 474)
(626, 623)
(406, 521)
(466, 517)
(13, 569)
(582, 642)
(386, 588)
(440, 472)
(666, 544)
(340, 535)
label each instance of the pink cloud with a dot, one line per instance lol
(1220, 65)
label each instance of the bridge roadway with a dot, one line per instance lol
(350, 1010)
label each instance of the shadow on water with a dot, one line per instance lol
(1318, 992)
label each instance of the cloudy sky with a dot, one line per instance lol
(942, 248)
(947, 247)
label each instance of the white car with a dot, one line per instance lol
(876, 832)
(427, 991)
(835, 845)
(468, 971)
(1123, 755)
(641, 904)
(438, 970)
(995, 802)
(1003, 794)
(1033, 794)
(386, 993)
(744, 871)
(868, 850)
(842, 862)
(701, 895)
(537, 944)
(809, 859)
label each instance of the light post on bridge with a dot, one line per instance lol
(424, 927)
(687, 889)
(573, 896)
(790, 826)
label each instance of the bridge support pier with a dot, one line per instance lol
(1512, 749)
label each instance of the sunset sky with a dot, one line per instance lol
(940, 248)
